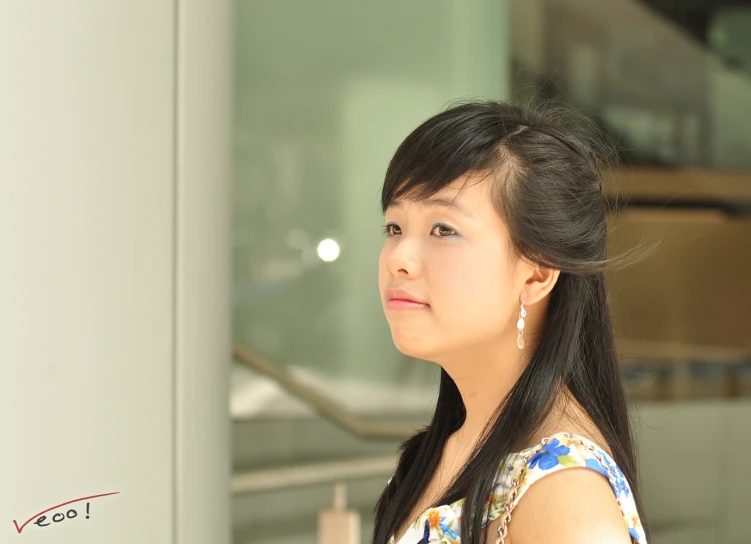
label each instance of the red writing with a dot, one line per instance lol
(41, 520)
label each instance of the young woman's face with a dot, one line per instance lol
(447, 273)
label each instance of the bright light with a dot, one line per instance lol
(328, 250)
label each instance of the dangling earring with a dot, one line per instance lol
(520, 325)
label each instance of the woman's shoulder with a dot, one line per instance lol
(569, 489)
(560, 451)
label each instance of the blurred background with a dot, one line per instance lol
(190, 229)
(326, 90)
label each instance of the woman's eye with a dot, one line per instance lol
(391, 229)
(443, 230)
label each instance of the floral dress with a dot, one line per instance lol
(560, 451)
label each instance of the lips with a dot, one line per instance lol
(399, 299)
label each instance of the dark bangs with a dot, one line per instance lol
(447, 146)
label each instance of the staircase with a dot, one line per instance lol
(280, 434)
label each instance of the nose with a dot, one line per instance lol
(402, 259)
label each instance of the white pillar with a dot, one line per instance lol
(205, 90)
(115, 123)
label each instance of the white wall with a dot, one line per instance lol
(114, 270)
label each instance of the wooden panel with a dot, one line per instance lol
(689, 297)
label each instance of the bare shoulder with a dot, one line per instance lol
(570, 506)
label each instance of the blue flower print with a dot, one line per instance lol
(547, 457)
(621, 485)
(426, 535)
(594, 464)
(446, 530)
(633, 534)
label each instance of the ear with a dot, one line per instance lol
(539, 283)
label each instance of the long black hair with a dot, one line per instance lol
(548, 166)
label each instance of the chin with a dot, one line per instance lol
(417, 346)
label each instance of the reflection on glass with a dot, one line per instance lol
(328, 250)
(668, 98)
(321, 106)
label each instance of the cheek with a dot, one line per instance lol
(383, 275)
(476, 293)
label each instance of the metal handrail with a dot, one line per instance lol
(325, 406)
(311, 474)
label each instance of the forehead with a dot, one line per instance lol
(468, 194)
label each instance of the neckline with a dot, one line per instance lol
(515, 456)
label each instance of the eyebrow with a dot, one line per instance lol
(438, 202)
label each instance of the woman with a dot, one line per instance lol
(493, 267)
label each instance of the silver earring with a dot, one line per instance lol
(520, 325)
